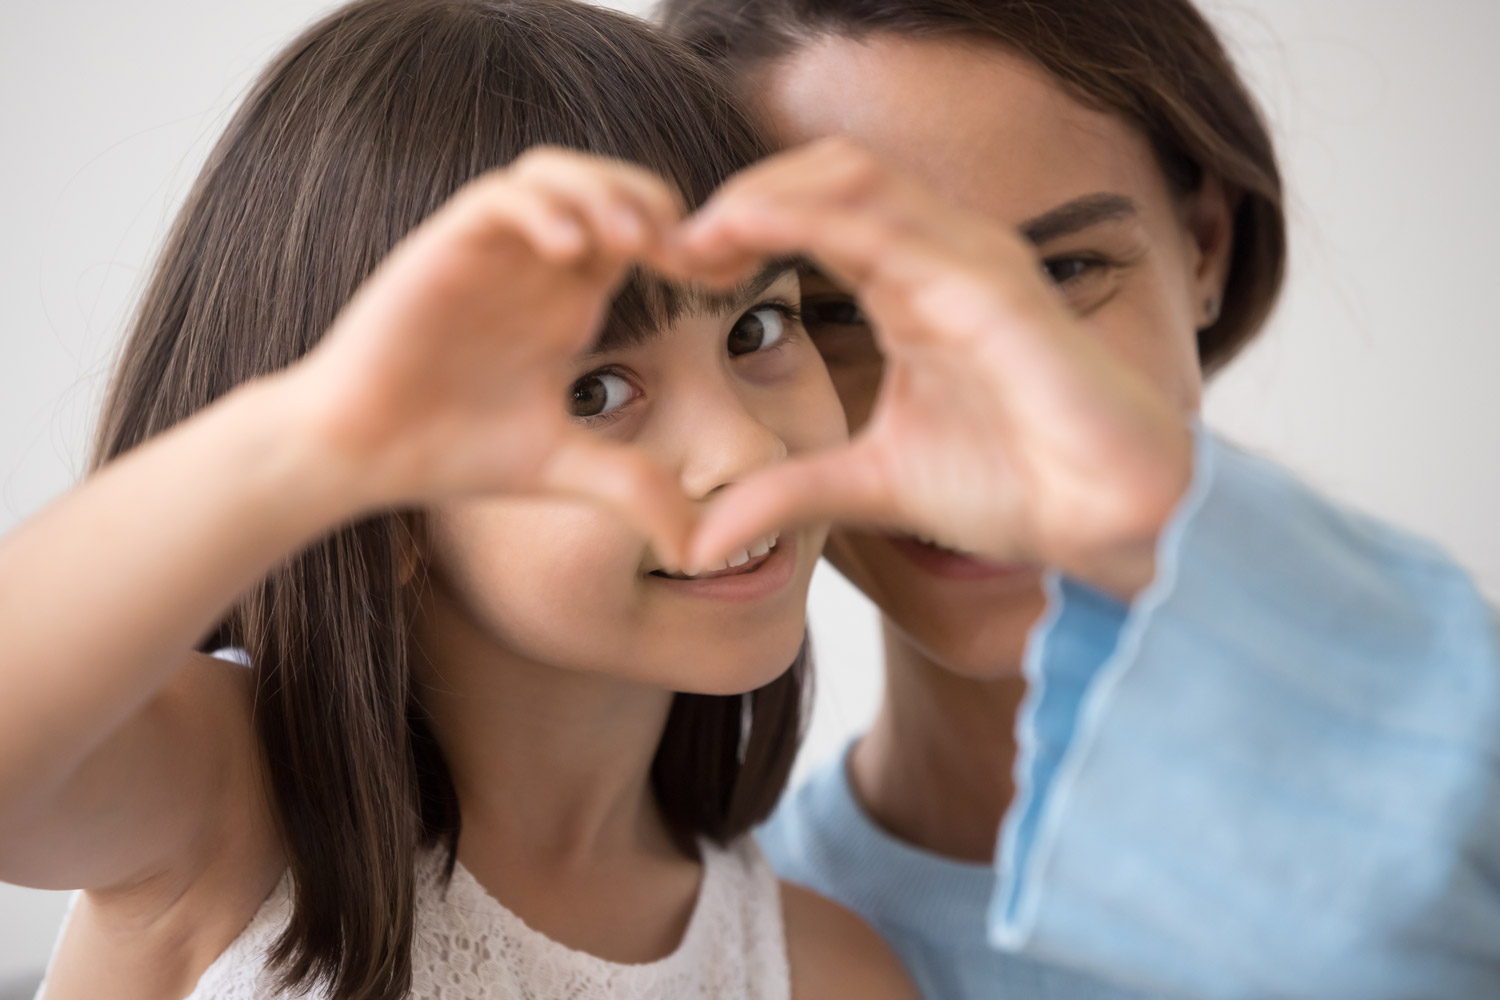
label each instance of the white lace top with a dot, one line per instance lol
(469, 947)
(466, 946)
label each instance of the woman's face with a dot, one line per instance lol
(994, 134)
(567, 585)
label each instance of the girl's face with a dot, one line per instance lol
(995, 134)
(567, 585)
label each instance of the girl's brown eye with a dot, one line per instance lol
(597, 394)
(757, 330)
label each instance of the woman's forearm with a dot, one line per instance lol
(1277, 765)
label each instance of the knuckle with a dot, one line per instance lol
(860, 174)
(489, 192)
(634, 173)
(746, 217)
(838, 146)
(547, 161)
(528, 160)
(490, 183)
(735, 189)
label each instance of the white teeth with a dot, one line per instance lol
(757, 549)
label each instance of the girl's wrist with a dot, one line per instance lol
(296, 471)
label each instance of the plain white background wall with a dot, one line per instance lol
(1375, 381)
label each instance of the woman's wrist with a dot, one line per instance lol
(1123, 562)
(1122, 573)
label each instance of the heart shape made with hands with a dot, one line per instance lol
(1002, 426)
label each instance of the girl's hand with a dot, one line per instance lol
(1003, 428)
(447, 373)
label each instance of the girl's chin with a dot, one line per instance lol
(715, 670)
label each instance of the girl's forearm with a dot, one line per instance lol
(104, 593)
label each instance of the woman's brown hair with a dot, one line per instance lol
(364, 125)
(1156, 63)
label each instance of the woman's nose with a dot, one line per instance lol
(724, 441)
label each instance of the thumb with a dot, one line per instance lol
(839, 485)
(629, 483)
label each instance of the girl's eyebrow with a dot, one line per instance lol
(687, 300)
(747, 292)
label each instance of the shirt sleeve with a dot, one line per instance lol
(1275, 774)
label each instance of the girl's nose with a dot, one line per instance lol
(724, 441)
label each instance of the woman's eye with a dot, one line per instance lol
(757, 330)
(832, 312)
(1062, 270)
(598, 393)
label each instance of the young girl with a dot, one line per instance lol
(456, 766)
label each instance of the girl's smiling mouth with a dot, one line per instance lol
(746, 576)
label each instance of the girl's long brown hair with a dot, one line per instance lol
(364, 125)
(1155, 63)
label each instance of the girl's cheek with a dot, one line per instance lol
(529, 560)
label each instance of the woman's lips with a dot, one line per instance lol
(760, 577)
(950, 565)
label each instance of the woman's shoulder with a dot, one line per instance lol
(832, 952)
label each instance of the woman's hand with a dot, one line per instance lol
(1003, 428)
(447, 373)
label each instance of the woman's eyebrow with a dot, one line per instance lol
(1076, 215)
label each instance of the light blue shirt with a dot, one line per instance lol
(1275, 774)
(930, 909)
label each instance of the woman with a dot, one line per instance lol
(1256, 756)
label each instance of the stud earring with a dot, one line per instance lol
(1211, 311)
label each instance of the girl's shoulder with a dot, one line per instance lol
(189, 851)
(173, 778)
(832, 952)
